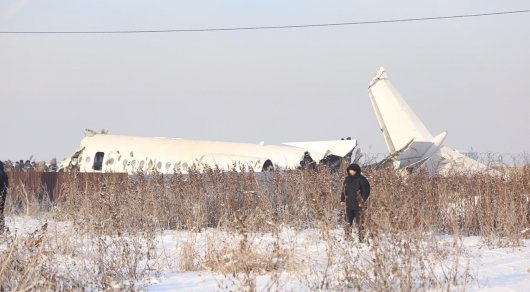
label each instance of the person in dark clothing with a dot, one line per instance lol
(267, 166)
(307, 162)
(355, 192)
(53, 165)
(27, 166)
(4, 185)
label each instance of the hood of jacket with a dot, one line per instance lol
(355, 167)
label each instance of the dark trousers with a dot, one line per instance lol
(353, 214)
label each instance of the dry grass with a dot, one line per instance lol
(117, 226)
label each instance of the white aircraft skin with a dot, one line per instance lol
(410, 145)
(130, 154)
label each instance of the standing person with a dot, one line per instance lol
(53, 165)
(4, 185)
(8, 166)
(41, 167)
(355, 192)
(27, 166)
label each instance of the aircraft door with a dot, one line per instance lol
(98, 161)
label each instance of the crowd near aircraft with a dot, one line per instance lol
(410, 145)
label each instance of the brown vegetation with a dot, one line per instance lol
(113, 228)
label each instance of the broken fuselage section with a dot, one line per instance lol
(131, 154)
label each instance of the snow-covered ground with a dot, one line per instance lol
(491, 269)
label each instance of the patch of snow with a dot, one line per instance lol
(493, 269)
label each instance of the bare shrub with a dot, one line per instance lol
(189, 257)
(244, 255)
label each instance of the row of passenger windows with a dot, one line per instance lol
(133, 164)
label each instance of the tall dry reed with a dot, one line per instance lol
(120, 220)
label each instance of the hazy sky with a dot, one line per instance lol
(467, 76)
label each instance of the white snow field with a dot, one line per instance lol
(298, 260)
(492, 269)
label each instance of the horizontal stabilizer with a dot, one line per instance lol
(420, 151)
(456, 162)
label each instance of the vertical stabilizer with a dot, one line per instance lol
(410, 144)
(396, 119)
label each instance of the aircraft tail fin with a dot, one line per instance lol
(409, 142)
(398, 123)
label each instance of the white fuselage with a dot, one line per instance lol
(110, 153)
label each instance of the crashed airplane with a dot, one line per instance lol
(129, 154)
(410, 145)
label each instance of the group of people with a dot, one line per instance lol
(30, 166)
(19, 166)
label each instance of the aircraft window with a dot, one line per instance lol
(159, 165)
(98, 161)
(87, 160)
(133, 163)
(150, 164)
(168, 166)
(176, 166)
(142, 164)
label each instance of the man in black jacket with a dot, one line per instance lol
(4, 184)
(355, 192)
